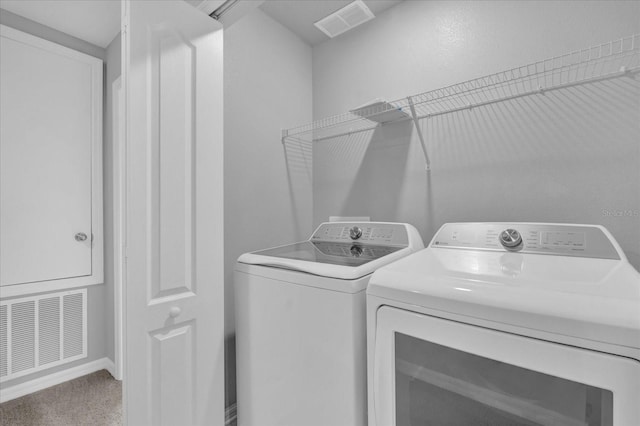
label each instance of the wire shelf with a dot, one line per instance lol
(609, 60)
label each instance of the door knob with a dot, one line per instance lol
(80, 236)
(174, 311)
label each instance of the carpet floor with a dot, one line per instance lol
(95, 399)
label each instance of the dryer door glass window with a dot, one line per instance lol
(437, 385)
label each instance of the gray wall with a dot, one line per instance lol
(567, 156)
(96, 314)
(267, 198)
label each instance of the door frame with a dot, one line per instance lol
(119, 222)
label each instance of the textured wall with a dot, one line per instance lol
(267, 198)
(570, 155)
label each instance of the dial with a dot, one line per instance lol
(510, 238)
(355, 232)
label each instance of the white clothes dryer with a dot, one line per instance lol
(506, 324)
(301, 324)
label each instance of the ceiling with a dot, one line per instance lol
(98, 21)
(299, 16)
(94, 21)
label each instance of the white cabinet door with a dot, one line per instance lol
(174, 365)
(50, 115)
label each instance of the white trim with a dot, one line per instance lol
(97, 262)
(125, 21)
(110, 366)
(40, 383)
(119, 179)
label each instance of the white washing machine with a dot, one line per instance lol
(301, 324)
(506, 324)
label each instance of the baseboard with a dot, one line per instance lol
(110, 366)
(231, 415)
(43, 382)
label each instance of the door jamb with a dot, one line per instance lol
(119, 223)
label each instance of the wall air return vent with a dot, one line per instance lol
(42, 331)
(348, 17)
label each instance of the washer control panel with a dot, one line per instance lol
(379, 233)
(555, 239)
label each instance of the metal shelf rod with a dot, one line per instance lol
(419, 131)
(533, 92)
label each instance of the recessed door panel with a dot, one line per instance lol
(171, 352)
(170, 102)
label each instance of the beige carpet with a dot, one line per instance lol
(94, 400)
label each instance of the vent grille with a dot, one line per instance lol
(4, 347)
(49, 326)
(73, 325)
(348, 17)
(41, 332)
(23, 336)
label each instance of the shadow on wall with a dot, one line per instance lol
(299, 165)
(387, 150)
(362, 172)
(570, 155)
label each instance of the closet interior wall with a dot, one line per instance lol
(570, 155)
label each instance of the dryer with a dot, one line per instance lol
(506, 324)
(301, 324)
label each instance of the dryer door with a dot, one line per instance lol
(431, 371)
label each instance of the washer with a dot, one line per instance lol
(506, 324)
(301, 324)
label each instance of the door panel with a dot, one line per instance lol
(172, 141)
(174, 367)
(49, 117)
(425, 367)
(172, 405)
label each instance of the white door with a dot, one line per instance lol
(429, 370)
(50, 115)
(172, 68)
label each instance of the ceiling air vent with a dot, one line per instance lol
(348, 17)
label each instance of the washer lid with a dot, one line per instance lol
(334, 260)
(587, 298)
(343, 250)
(344, 254)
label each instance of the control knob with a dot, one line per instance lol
(355, 232)
(510, 238)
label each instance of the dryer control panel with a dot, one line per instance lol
(538, 238)
(379, 233)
